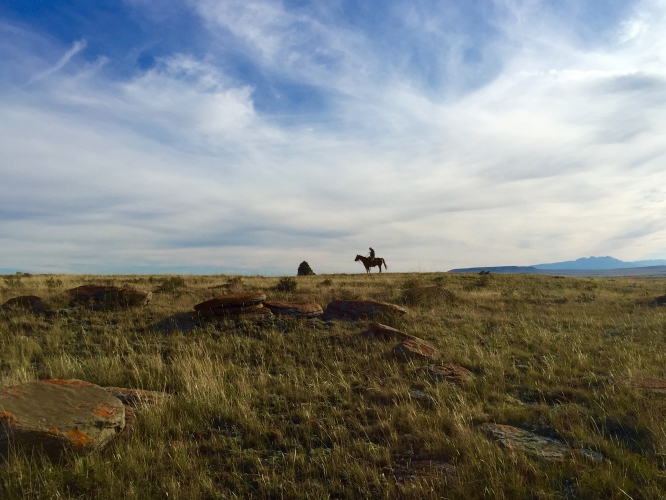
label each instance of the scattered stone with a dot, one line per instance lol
(484, 273)
(451, 373)
(385, 332)
(415, 348)
(58, 416)
(29, 303)
(295, 309)
(357, 309)
(104, 297)
(134, 397)
(232, 301)
(517, 439)
(422, 397)
(304, 269)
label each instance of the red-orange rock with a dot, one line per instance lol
(357, 309)
(295, 309)
(415, 348)
(451, 373)
(385, 332)
(103, 297)
(30, 303)
(233, 300)
(58, 416)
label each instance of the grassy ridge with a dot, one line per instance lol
(298, 411)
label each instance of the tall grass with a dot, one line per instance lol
(296, 409)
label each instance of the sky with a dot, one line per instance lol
(245, 136)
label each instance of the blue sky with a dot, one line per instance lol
(247, 136)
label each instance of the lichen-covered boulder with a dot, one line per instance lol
(415, 349)
(28, 303)
(385, 332)
(294, 309)
(357, 309)
(517, 439)
(108, 297)
(58, 416)
(232, 301)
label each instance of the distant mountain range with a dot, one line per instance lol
(599, 263)
(586, 266)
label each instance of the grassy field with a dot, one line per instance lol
(303, 410)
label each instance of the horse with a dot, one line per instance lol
(369, 262)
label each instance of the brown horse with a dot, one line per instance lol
(369, 262)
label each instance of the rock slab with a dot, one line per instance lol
(58, 416)
(532, 444)
(451, 373)
(357, 309)
(105, 297)
(30, 303)
(294, 309)
(235, 302)
(385, 332)
(415, 349)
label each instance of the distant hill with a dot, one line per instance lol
(586, 266)
(599, 263)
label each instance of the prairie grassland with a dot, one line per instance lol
(293, 410)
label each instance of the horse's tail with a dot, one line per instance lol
(385, 266)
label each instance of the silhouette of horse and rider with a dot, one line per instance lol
(371, 261)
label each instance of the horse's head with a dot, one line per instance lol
(358, 257)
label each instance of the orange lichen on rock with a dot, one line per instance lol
(8, 417)
(105, 410)
(78, 438)
(54, 431)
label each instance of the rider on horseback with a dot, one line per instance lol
(372, 253)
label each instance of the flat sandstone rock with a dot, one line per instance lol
(295, 309)
(415, 348)
(232, 300)
(451, 373)
(102, 296)
(58, 416)
(357, 309)
(385, 332)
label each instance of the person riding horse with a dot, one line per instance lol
(371, 261)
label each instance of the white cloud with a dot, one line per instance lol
(560, 156)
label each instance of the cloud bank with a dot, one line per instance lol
(499, 133)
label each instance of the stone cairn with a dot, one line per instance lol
(304, 269)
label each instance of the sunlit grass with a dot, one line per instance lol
(300, 411)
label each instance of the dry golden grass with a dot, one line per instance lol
(297, 411)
